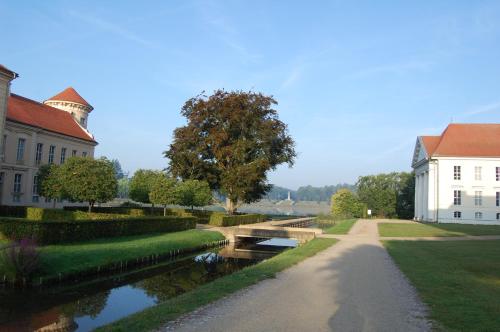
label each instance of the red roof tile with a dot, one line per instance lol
(465, 140)
(33, 113)
(71, 95)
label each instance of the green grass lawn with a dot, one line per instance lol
(416, 229)
(157, 316)
(458, 280)
(69, 258)
(329, 225)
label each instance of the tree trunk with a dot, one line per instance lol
(54, 200)
(90, 206)
(164, 210)
(230, 206)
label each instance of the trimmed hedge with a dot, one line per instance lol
(33, 213)
(13, 211)
(52, 232)
(221, 219)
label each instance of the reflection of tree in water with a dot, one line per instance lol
(87, 306)
(202, 269)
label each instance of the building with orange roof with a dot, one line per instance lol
(457, 175)
(35, 133)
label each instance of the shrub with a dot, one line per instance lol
(64, 215)
(12, 211)
(20, 259)
(51, 232)
(129, 204)
(221, 219)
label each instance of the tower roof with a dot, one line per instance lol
(70, 94)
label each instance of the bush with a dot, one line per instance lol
(20, 259)
(221, 219)
(52, 232)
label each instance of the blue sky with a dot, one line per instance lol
(356, 81)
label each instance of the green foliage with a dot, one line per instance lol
(50, 182)
(45, 232)
(193, 193)
(232, 140)
(154, 317)
(345, 204)
(117, 167)
(19, 259)
(387, 195)
(223, 220)
(163, 191)
(123, 187)
(141, 184)
(33, 213)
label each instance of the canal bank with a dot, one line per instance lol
(156, 316)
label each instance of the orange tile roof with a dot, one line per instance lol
(465, 140)
(35, 114)
(70, 94)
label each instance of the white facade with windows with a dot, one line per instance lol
(453, 188)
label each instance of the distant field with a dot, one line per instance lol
(458, 280)
(420, 230)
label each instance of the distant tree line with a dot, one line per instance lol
(390, 195)
(307, 193)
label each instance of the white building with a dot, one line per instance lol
(458, 175)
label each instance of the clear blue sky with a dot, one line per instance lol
(356, 81)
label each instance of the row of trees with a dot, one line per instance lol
(387, 195)
(307, 193)
(155, 187)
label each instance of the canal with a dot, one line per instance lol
(85, 306)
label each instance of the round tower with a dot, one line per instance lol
(70, 101)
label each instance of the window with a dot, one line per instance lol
(477, 173)
(457, 215)
(457, 172)
(52, 152)
(478, 198)
(20, 149)
(82, 121)
(63, 155)
(498, 198)
(4, 143)
(17, 187)
(478, 215)
(457, 197)
(38, 154)
(73, 153)
(35, 189)
(498, 216)
(498, 173)
(84, 154)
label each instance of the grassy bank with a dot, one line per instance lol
(416, 229)
(70, 258)
(156, 316)
(459, 281)
(330, 225)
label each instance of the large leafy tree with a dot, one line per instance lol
(163, 192)
(345, 204)
(231, 140)
(49, 182)
(141, 184)
(194, 193)
(405, 199)
(89, 180)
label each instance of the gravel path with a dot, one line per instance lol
(352, 286)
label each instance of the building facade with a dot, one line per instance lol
(34, 134)
(457, 175)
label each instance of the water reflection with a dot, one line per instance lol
(84, 307)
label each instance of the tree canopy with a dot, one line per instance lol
(118, 169)
(141, 184)
(49, 182)
(345, 204)
(163, 191)
(388, 195)
(231, 140)
(89, 180)
(193, 193)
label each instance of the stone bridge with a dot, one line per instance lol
(290, 229)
